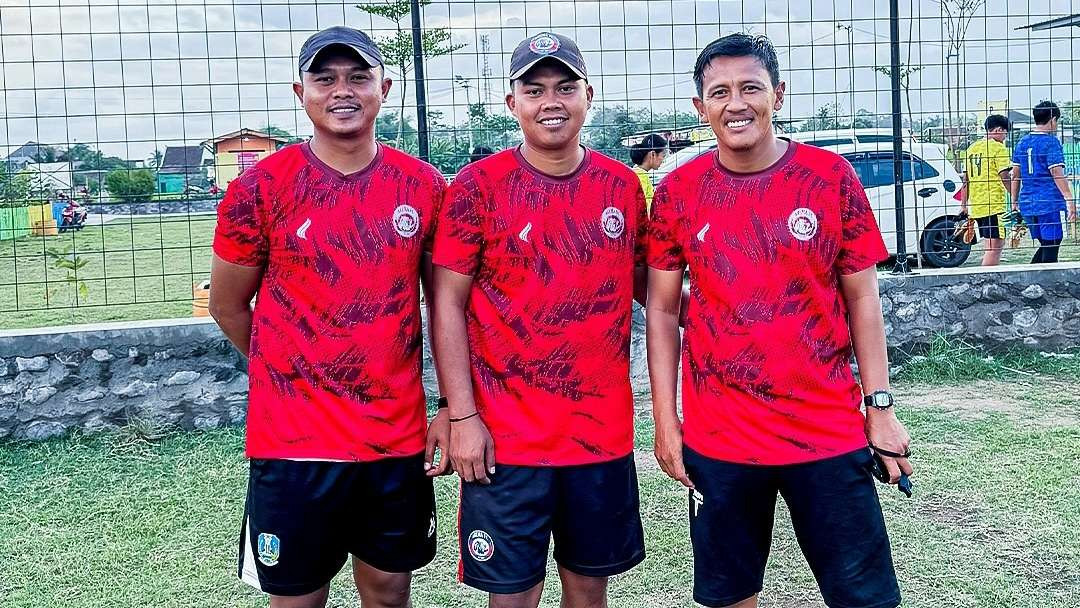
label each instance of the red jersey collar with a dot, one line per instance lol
(767, 171)
(553, 178)
(332, 172)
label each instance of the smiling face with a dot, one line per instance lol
(550, 104)
(738, 100)
(342, 95)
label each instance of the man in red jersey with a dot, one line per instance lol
(781, 245)
(332, 234)
(535, 257)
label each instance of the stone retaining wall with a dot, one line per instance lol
(184, 373)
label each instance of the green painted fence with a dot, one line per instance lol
(14, 223)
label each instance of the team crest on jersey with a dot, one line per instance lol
(269, 549)
(544, 44)
(406, 220)
(612, 222)
(481, 546)
(803, 224)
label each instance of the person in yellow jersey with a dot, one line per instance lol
(647, 155)
(986, 180)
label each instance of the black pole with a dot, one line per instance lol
(421, 91)
(901, 266)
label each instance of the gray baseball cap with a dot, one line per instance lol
(358, 41)
(547, 45)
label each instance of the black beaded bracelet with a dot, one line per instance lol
(443, 403)
(464, 418)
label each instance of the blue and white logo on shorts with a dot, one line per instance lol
(481, 546)
(269, 549)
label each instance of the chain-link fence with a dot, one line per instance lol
(124, 122)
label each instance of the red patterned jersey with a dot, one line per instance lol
(552, 261)
(766, 349)
(335, 340)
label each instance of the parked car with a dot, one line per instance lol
(931, 185)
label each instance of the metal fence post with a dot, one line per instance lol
(421, 91)
(901, 266)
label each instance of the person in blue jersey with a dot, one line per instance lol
(1038, 174)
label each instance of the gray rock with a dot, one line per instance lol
(237, 414)
(183, 378)
(886, 306)
(908, 312)
(91, 395)
(206, 423)
(39, 395)
(3, 368)
(1026, 317)
(1031, 342)
(1033, 292)
(163, 355)
(994, 293)
(72, 358)
(101, 355)
(135, 388)
(132, 352)
(32, 364)
(41, 430)
(9, 388)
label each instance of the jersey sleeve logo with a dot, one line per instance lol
(612, 222)
(406, 220)
(481, 546)
(803, 224)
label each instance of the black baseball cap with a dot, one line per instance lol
(358, 41)
(547, 45)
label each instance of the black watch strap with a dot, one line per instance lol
(443, 403)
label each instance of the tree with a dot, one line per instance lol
(826, 118)
(397, 50)
(14, 188)
(609, 125)
(154, 160)
(131, 186)
(958, 16)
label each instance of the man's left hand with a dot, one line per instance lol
(885, 431)
(438, 437)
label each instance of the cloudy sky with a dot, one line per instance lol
(133, 76)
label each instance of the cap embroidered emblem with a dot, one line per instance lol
(544, 44)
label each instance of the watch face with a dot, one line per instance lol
(882, 400)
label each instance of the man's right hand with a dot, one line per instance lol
(472, 451)
(669, 452)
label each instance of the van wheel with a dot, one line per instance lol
(939, 247)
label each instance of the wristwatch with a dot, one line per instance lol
(881, 400)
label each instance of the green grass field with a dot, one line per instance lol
(120, 520)
(141, 269)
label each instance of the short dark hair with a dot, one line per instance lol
(738, 45)
(480, 152)
(1044, 111)
(652, 142)
(997, 121)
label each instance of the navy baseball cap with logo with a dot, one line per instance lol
(547, 45)
(358, 41)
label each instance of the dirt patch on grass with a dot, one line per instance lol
(1024, 402)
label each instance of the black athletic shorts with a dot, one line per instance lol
(837, 520)
(989, 226)
(303, 519)
(505, 527)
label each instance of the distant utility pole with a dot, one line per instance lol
(485, 71)
(851, 66)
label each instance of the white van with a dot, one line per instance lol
(930, 182)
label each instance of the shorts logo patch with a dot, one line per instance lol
(803, 224)
(406, 220)
(431, 527)
(481, 547)
(269, 549)
(544, 44)
(612, 222)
